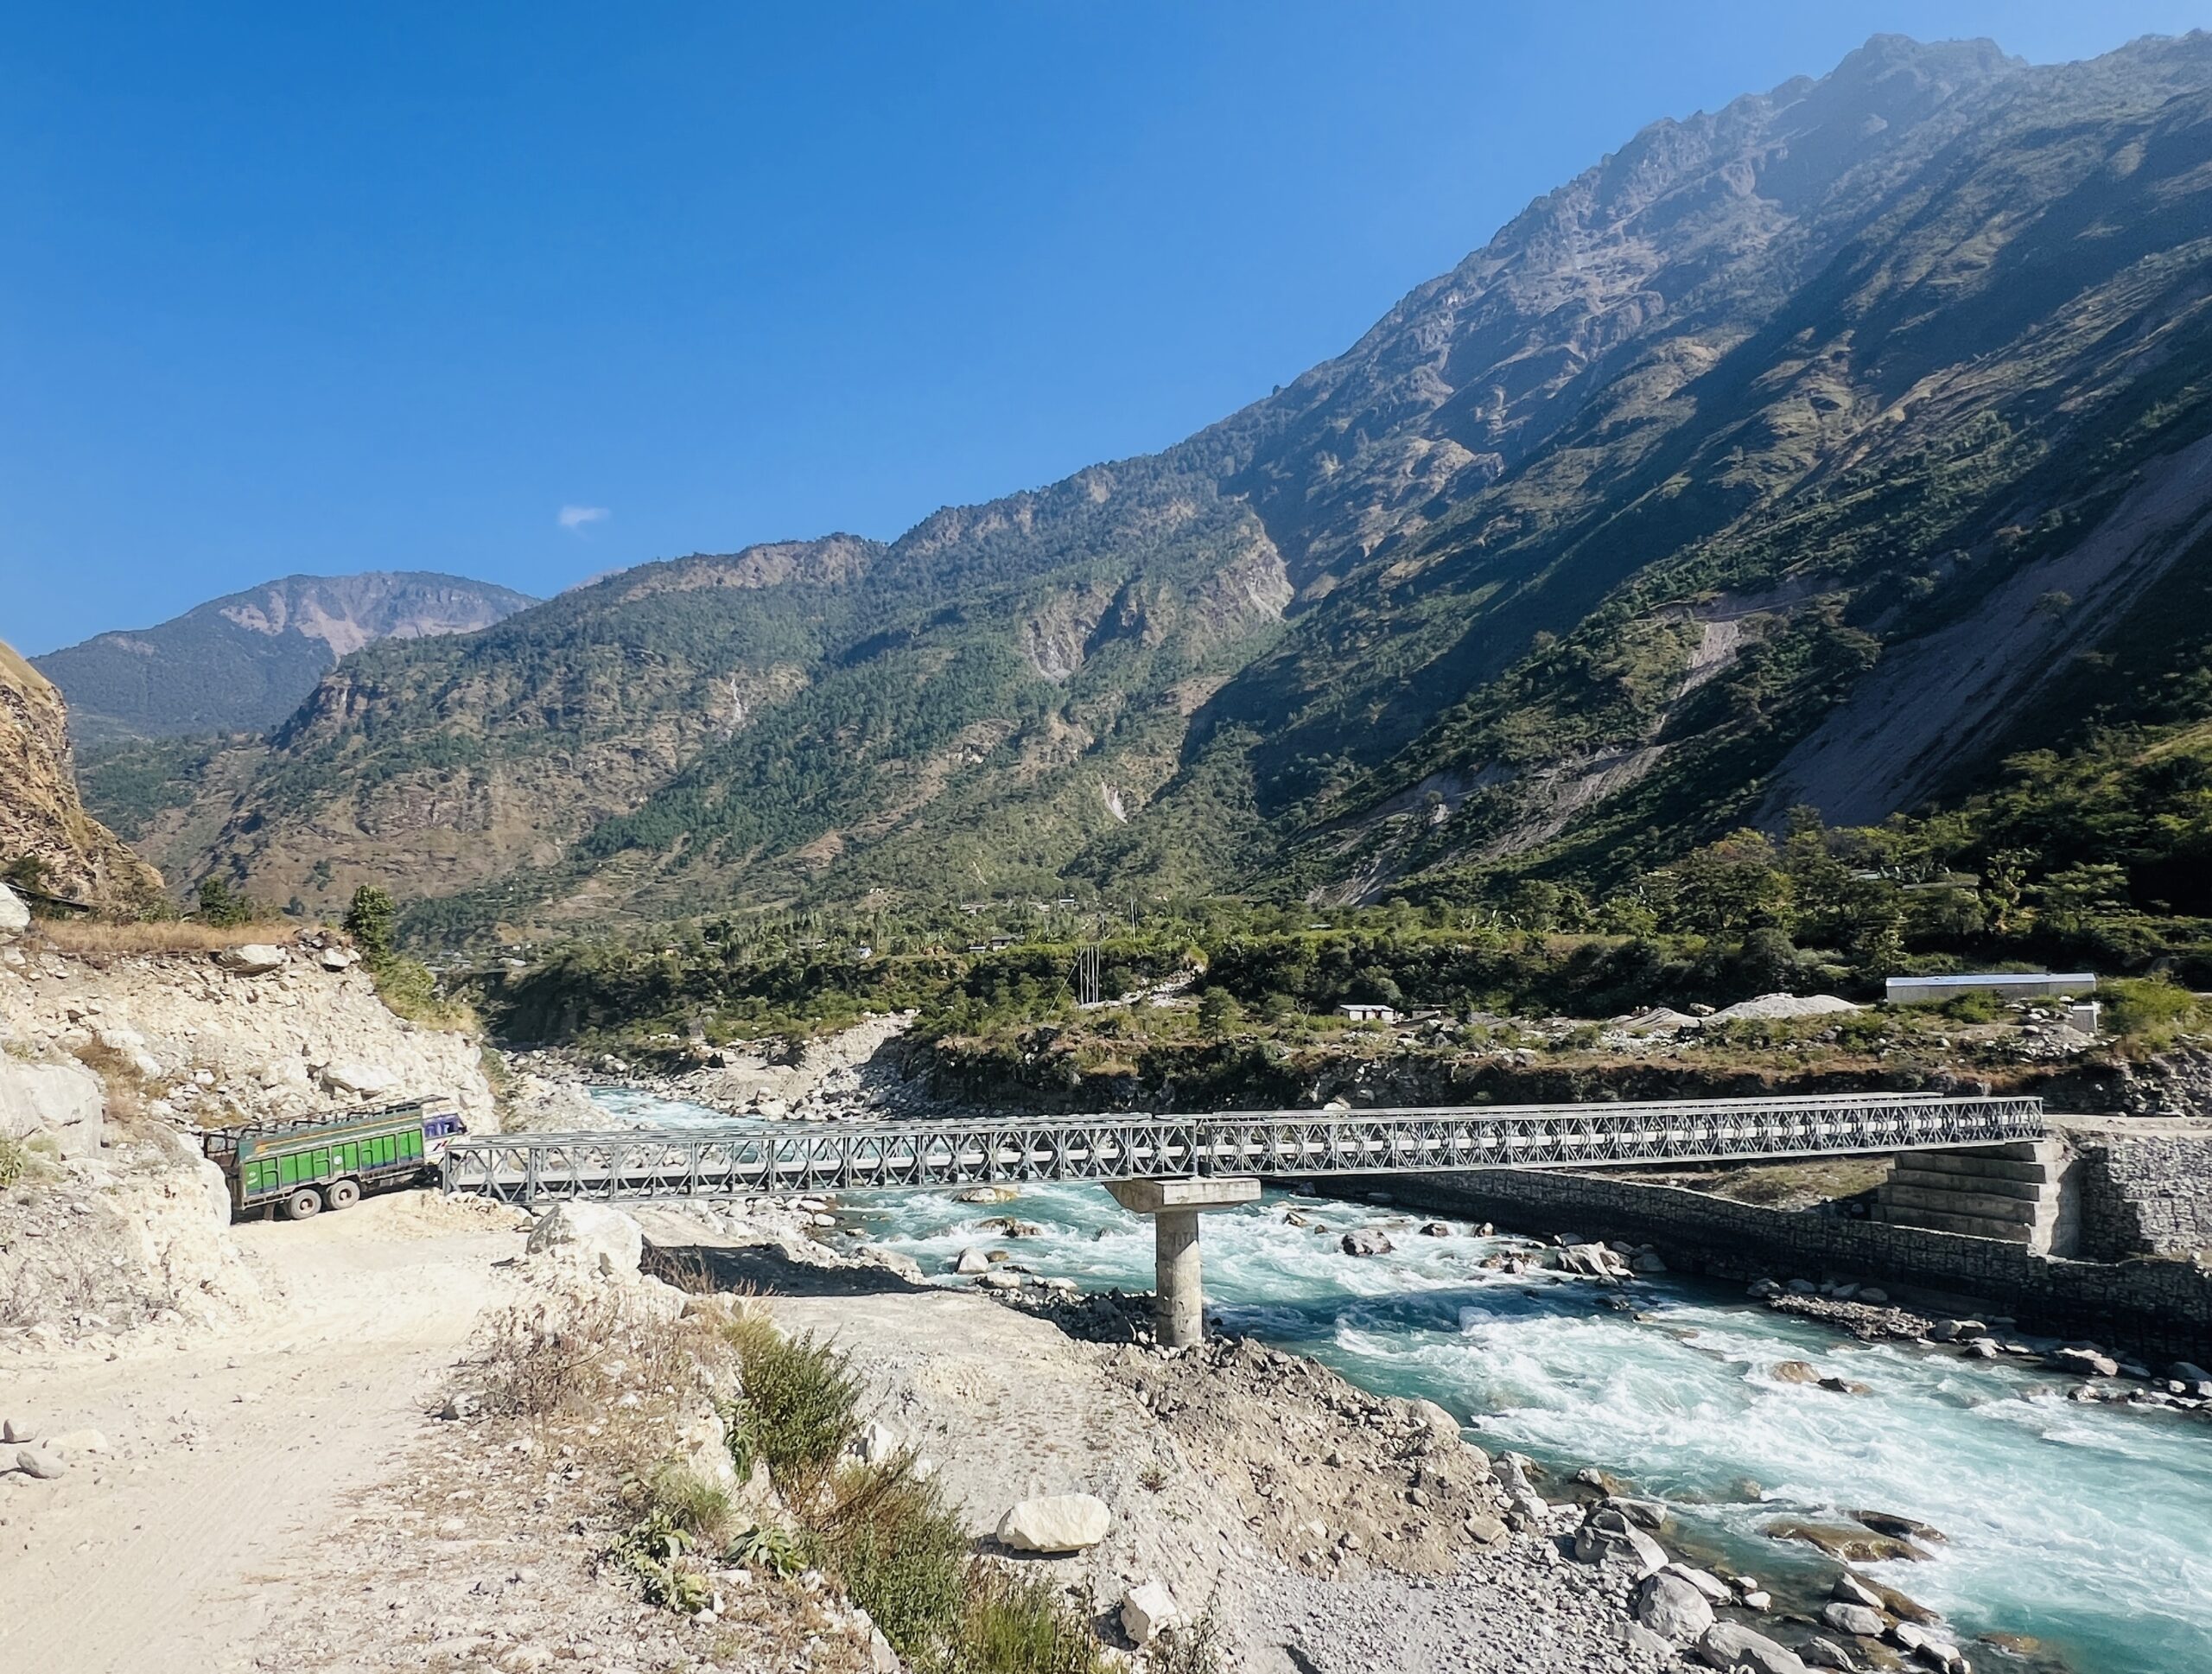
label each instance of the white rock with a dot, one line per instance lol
(1704, 1581)
(1851, 1590)
(1856, 1620)
(41, 1463)
(251, 958)
(334, 958)
(70, 1443)
(1055, 1522)
(1146, 1610)
(605, 1240)
(971, 1262)
(1732, 1646)
(65, 1101)
(360, 1080)
(1672, 1608)
(877, 1442)
(15, 917)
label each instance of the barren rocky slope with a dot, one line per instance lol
(42, 817)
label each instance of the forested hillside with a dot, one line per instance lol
(1826, 450)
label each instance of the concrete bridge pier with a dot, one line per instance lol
(1174, 1205)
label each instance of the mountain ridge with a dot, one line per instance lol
(1553, 568)
(245, 660)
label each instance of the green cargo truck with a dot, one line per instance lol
(300, 1168)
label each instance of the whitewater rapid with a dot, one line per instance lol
(2087, 1527)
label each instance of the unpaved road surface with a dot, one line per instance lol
(235, 1456)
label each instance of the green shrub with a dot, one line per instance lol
(1974, 1006)
(2148, 1012)
(898, 1548)
(680, 1498)
(15, 1162)
(658, 1554)
(795, 1409)
(1015, 1624)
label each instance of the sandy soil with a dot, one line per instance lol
(232, 1451)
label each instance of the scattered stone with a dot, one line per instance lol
(1367, 1241)
(970, 1262)
(250, 959)
(1845, 1545)
(1608, 1538)
(1646, 1513)
(41, 1463)
(1671, 1608)
(14, 1430)
(1796, 1372)
(1055, 1522)
(1146, 1609)
(1731, 1647)
(2085, 1360)
(1827, 1653)
(1634, 1636)
(1905, 1528)
(70, 1443)
(1851, 1590)
(1435, 1229)
(1704, 1581)
(1856, 1620)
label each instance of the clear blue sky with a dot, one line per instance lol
(300, 286)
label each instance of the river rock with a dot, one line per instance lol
(1509, 1470)
(1796, 1372)
(986, 1194)
(1634, 1636)
(1146, 1609)
(1442, 1427)
(250, 959)
(1844, 1543)
(1055, 1522)
(1704, 1581)
(2186, 1371)
(606, 1241)
(1730, 1646)
(2085, 1360)
(1856, 1620)
(1608, 1538)
(1367, 1241)
(970, 1262)
(1905, 1528)
(1849, 1589)
(1435, 1229)
(1672, 1608)
(1827, 1653)
(1645, 1513)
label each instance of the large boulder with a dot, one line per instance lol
(1367, 1241)
(15, 917)
(1671, 1608)
(63, 1102)
(251, 958)
(1732, 1647)
(605, 1240)
(1055, 1522)
(1608, 1538)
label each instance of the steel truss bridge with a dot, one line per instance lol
(759, 1160)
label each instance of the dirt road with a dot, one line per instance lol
(234, 1455)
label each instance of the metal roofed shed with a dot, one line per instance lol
(2004, 984)
(1368, 1013)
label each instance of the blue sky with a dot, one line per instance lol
(333, 287)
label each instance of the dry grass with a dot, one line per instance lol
(172, 936)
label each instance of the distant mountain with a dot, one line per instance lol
(245, 661)
(1825, 449)
(45, 837)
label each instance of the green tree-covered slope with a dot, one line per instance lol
(1826, 450)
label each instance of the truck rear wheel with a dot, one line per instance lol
(303, 1204)
(341, 1193)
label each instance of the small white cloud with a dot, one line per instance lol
(577, 516)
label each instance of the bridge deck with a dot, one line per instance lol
(752, 1159)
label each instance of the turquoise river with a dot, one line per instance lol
(2088, 1527)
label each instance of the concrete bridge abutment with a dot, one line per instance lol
(1179, 1272)
(2022, 1193)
